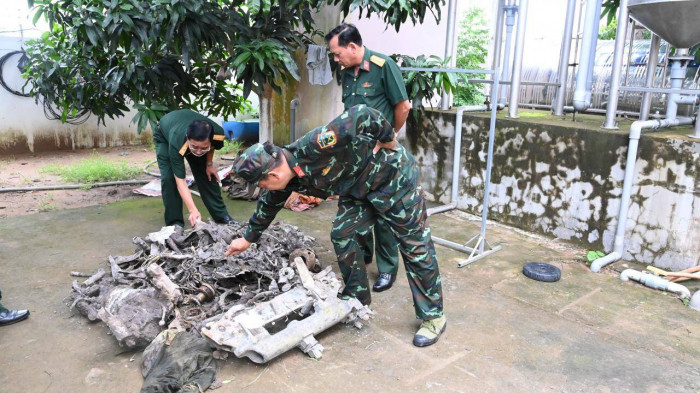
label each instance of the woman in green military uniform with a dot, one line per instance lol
(185, 134)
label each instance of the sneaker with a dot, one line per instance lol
(430, 332)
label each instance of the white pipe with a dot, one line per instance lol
(582, 94)
(497, 38)
(564, 56)
(697, 125)
(293, 119)
(454, 195)
(655, 282)
(505, 73)
(635, 134)
(652, 62)
(449, 47)
(518, 60)
(616, 73)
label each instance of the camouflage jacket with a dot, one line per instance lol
(335, 159)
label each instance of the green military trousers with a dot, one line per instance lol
(209, 190)
(402, 207)
(385, 247)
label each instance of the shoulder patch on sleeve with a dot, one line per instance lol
(219, 137)
(326, 139)
(183, 149)
(377, 60)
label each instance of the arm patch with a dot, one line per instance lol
(377, 60)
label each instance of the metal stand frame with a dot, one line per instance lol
(481, 247)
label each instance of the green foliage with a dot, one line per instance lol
(92, 170)
(230, 147)
(472, 48)
(393, 12)
(156, 56)
(608, 32)
(609, 10)
(424, 85)
(593, 255)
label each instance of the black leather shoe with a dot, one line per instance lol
(226, 220)
(9, 317)
(384, 282)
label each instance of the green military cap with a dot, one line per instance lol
(256, 162)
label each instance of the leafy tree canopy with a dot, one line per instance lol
(160, 55)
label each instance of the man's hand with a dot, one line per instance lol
(237, 246)
(211, 171)
(389, 145)
(194, 217)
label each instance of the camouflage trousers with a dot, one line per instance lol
(405, 214)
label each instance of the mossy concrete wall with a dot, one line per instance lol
(564, 179)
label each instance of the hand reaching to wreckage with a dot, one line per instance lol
(237, 246)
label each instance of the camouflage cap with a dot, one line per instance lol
(256, 162)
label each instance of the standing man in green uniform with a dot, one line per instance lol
(375, 80)
(356, 157)
(8, 317)
(185, 134)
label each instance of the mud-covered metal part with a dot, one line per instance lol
(309, 258)
(189, 272)
(312, 308)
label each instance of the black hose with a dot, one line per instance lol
(3, 59)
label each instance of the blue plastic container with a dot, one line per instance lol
(246, 131)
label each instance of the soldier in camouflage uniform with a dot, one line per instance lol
(373, 79)
(356, 157)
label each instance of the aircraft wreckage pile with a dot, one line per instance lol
(258, 304)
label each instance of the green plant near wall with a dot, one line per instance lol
(425, 85)
(472, 48)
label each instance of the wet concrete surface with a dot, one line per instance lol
(586, 333)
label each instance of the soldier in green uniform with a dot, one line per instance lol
(356, 157)
(375, 80)
(185, 134)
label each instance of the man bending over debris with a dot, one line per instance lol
(187, 134)
(356, 157)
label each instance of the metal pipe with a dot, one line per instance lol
(518, 60)
(533, 83)
(697, 125)
(678, 68)
(652, 62)
(661, 90)
(293, 117)
(656, 282)
(564, 56)
(510, 11)
(449, 46)
(635, 134)
(622, 17)
(454, 194)
(582, 94)
(498, 37)
(85, 186)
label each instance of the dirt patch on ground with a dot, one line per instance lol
(26, 171)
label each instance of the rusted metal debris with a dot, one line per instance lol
(181, 279)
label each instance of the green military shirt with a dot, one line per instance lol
(172, 130)
(378, 84)
(335, 159)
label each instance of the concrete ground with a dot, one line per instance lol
(588, 332)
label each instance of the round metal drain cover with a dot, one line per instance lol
(542, 271)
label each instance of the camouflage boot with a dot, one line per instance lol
(430, 331)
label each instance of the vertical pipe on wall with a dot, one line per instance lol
(518, 59)
(497, 38)
(564, 58)
(510, 11)
(652, 62)
(584, 77)
(616, 73)
(449, 46)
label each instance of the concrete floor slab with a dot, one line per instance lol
(587, 332)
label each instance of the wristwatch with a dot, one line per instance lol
(210, 164)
